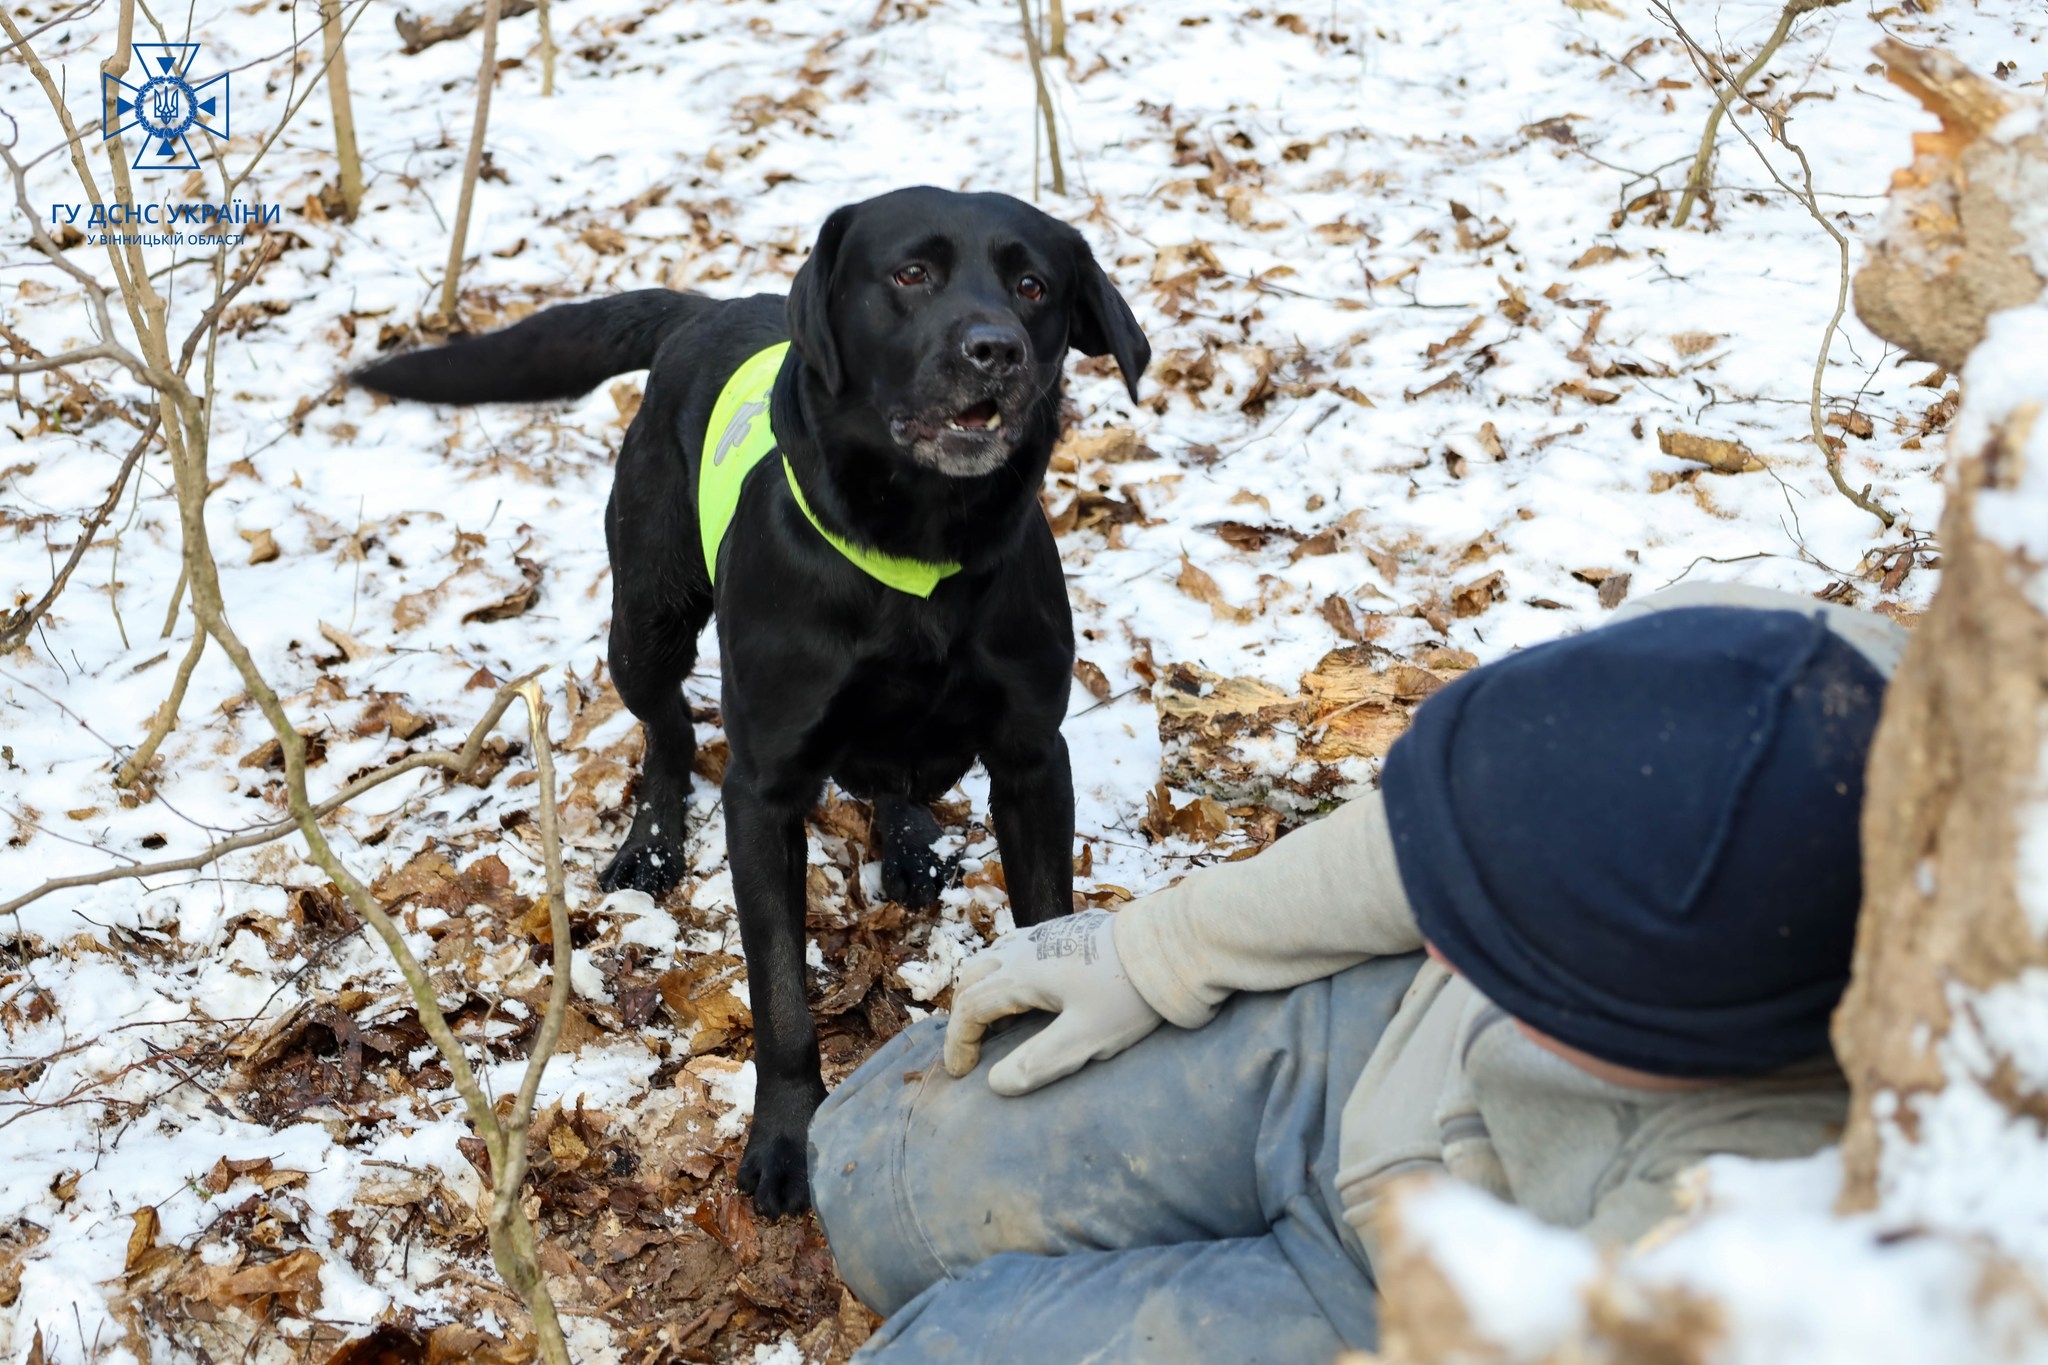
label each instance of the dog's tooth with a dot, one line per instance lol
(995, 423)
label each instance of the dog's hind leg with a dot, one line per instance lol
(653, 647)
(911, 873)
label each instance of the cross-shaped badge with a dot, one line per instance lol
(166, 106)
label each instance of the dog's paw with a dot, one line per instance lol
(775, 1171)
(911, 873)
(650, 865)
(914, 879)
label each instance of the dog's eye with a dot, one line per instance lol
(1031, 287)
(910, 276)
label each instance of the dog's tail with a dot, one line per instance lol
(560, 352)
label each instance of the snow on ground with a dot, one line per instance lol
(1408, 281)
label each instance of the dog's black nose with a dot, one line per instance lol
(994, 348)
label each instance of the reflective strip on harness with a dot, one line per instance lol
(738, 438)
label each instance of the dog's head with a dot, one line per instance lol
(939, 322)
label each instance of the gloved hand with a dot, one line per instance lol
(1068, 966)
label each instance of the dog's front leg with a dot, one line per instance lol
(765, 841)
(1031, 795)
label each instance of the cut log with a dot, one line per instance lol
(1951, 254)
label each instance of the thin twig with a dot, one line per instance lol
(455, 762)
(16, 625)
(487, 75)
(1696, 178)
(1710, 69)
(351, 162)
(547, 49)
(1052, 135)
(512, 1237)
(166, 716)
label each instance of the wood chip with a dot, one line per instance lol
(1723, 457)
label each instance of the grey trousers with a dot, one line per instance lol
(1172, 1204)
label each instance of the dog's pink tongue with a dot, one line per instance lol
(980, 415)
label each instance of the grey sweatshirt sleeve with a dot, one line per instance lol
(1325, 897)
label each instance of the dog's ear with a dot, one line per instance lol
(1099, 322)
(810, 297)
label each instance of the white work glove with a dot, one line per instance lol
(1068, 966)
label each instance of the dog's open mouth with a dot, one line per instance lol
(969, 440)
(983, 416)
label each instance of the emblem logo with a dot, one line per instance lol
(167, 106)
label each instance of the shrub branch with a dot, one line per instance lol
(1710, 71)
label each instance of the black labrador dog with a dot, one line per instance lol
(915, 412)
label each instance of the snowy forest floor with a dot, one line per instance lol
(1419, 317)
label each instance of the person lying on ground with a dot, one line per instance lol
(1589, 932)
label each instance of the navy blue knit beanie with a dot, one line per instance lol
(1642, 840)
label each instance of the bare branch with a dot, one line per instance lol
(547, 49)
(351, 161)
(1052, 135)
(512, 1240)
(1696, 178)
(487, 76)
(1711, 70)
(16, 625)
(455, 762)
(267, 252)
(166, 716)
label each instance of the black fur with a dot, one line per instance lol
(827, 673)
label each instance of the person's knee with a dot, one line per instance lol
(856, 1177)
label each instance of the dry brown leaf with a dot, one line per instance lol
(538, 923)
(627, 396)
(457, 1344)
(1337, 611)
(262, 546)
(1515, 303)
(1598, 255)
(269, 754)
(1578, 388)
(713, 756)
(17, 1240)
(1723, 457)
(290, 1284)
(1174, 263)
(1201, 820)
(1454, 340)
(1092, 678)
(1115, 445)
(226, 1172)
(565, 1146)
(1471, 599)
(700, 993)
(1197, 584)
(605, 241)
(1693, 343)
(142, 1238)
(430, 879)
(516, 603)
(350, 648)
(387, 712)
